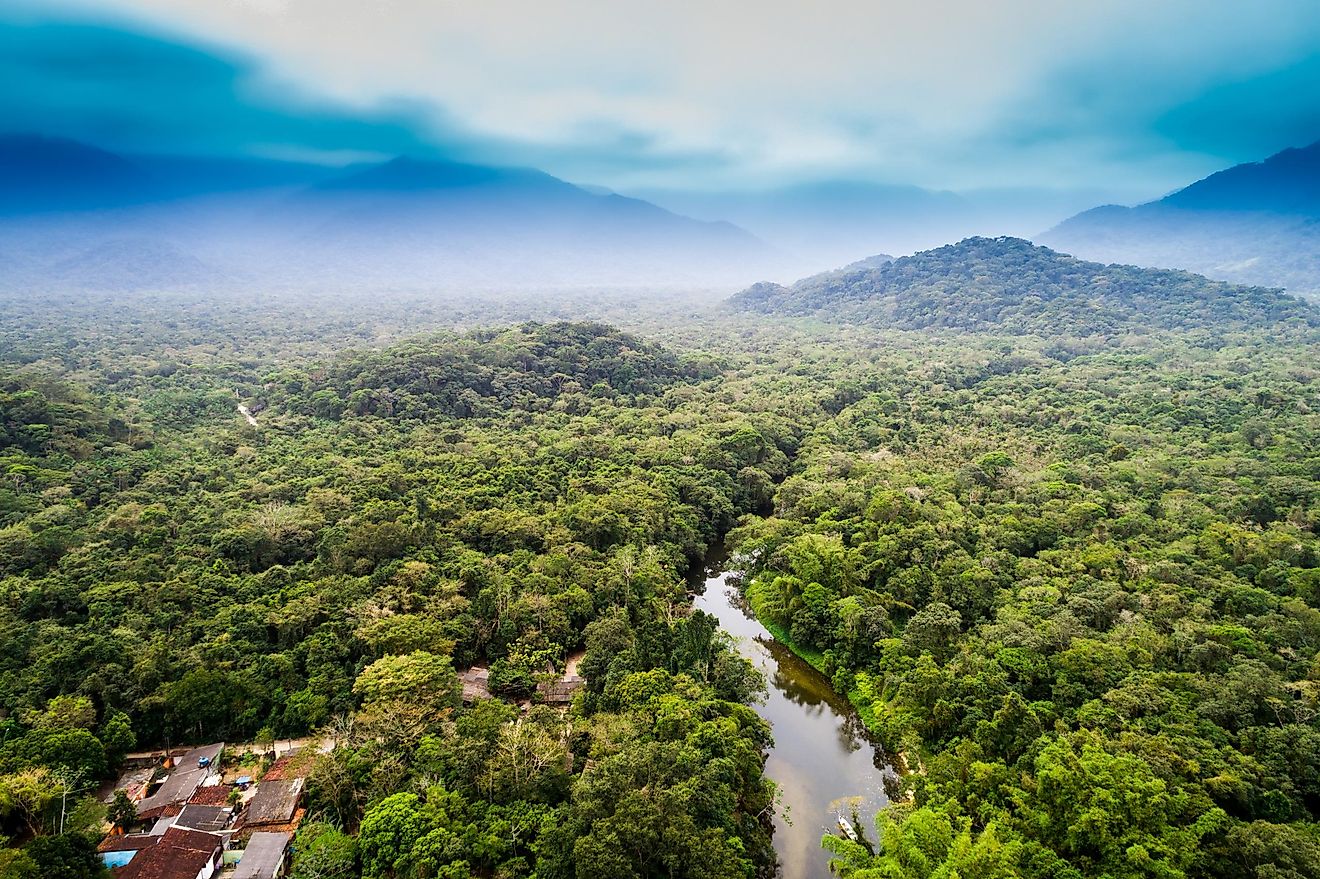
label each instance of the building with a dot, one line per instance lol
(175, 854)
(118, 851)
(208, 819)
(274, 804)
(134, 783)
(476, 683)
(264, 857)
(561, 690)
(211, 795)
(174, 791)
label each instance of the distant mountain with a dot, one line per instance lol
(131, 264)
(40, 174)
(1253, 223)
(407, 174)
(1285, 183)
(47, 174)
(1010, 285)
(414, 219)
(404, 223)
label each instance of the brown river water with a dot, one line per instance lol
(822, 761)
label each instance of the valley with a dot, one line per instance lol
(1030, 560)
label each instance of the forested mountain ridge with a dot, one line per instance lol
(1010, 285)
(485, 373)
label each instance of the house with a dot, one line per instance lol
(174, 791)
(476, 683)
(211, 795)
(118, 851)
(294, 764)
(275, 803)
(562, 690)
(208, 819)
(264, 857)
(176, 854)
(133, 782)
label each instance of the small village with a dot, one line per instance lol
(209, 812)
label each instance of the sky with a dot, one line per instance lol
(1129, 97)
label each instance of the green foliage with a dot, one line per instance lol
(1072, 580)
(1075, 596)
(1008, 285)
(122, 812)
(18, 864)
(321, 851)
(67, 856)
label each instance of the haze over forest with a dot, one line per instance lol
(678, 441)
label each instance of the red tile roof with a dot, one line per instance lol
(211, 795)
(180, 854)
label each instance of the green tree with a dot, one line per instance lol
(404, 697)
(122, 812)
(322, 851)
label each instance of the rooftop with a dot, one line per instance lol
(294, 764)
(211, 795)
(476, 683)
(274, 803)
(183, 781)
(129, 842)
(263, 856)
(206, 818)
(179, 854)
(561, 690)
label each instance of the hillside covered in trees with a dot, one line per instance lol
(1082, 600)
(1011, 286)
(504, 498)
(1070, 582)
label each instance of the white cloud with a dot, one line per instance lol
(928, 92)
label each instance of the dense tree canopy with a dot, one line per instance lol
(1009, 285)
(1070, 580)
(1079, 598)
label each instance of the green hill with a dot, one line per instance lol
(483, 373)
(1011, 285)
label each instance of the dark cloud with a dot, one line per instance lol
(1248, 119)
(1124, 96)
(137, 92)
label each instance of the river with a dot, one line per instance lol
(822, 762)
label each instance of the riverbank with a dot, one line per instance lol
(860, 701)
(860, 697)
(823, 761)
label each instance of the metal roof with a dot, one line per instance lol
(181, 783)
(207, 818)
(263, 856)
(274, 803)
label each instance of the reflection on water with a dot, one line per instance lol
(821, 760)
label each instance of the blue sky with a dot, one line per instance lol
(1123, 97)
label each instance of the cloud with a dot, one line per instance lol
(944, 93)
(139, 92)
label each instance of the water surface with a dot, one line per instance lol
(821, 761)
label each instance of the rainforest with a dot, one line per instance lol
(1069, 583)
